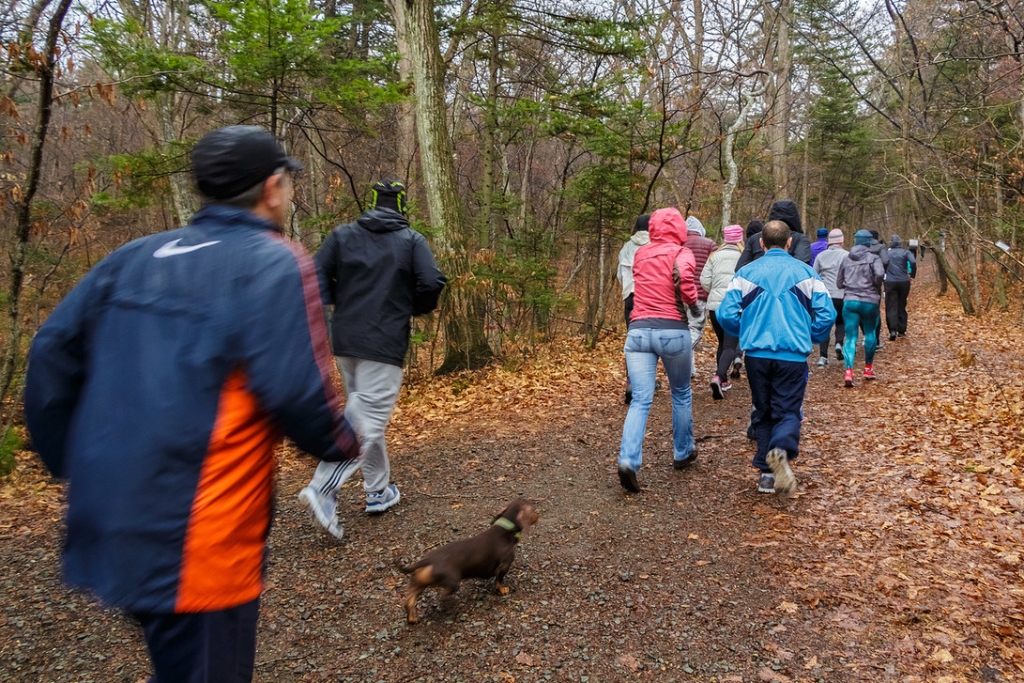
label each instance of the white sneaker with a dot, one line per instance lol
(822, 361)
(324, 510)
(785, 482)
(379, 502)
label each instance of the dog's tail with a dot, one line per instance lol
(409, 568)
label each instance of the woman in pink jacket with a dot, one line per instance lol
(663, 279)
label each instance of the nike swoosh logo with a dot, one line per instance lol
(172, 249)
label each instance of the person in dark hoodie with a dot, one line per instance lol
(377, 273)
(860, 277)
(902, 267)
(800, 247)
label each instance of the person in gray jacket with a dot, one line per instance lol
(827, 266)
(377, 273)
(860, 276)
(901, 268)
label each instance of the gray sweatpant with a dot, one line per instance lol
(371, 390)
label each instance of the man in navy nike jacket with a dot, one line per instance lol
(159, 389)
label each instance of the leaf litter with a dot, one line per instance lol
(900, 560)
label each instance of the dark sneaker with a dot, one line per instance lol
(737, 363)
(839, 351)
(892, 336)
(901, 335)
(785, 482)
(716, 388)
(685, 462)
(766, 483)
(627, 478)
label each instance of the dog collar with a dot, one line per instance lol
(507, 525)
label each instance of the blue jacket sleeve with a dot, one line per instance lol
(823, 313)
(56, 370)
(429, 280)
(287, 360)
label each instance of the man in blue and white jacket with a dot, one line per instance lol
(779, 308)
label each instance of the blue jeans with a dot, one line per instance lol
(860, 315)
(644, 347)
(777, 390)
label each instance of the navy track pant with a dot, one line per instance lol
(777, 390)
(204, 647)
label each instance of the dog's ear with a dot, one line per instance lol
(527, 516)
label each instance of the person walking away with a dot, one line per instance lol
(377, 273)
(913, 246)
(827, 267)
(901, 269)
(702, 247)
(784, 210)
(624, 274)
(879, 250)
(819, 245)
(860, 277)
(779, 308)
(160, 387)
(663, 289)
(715, 279)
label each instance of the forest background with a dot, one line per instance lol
(530, 133)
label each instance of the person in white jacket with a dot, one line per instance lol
(827, 266)
(714, 279)
(624, 274)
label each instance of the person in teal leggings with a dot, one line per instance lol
(860, 276)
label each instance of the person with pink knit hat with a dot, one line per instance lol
(714, 279)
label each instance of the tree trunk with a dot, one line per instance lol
(946, 273)
(462, 306)
(779, 123)
(23, 208)
(181, 188)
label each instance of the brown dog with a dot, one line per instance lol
(489, 553)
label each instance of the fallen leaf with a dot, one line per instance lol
(812, 662)
(629, 661)
(942, 655)
(524, 659)
(788, 607)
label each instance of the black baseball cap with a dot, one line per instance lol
(230, 160)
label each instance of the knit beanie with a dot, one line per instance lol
(822, 233)
(733, 233)
(862, 237)
(875, 235)
(836, 236)
(694, 225)
(895, 242)
(641, 223)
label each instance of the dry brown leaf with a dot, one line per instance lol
(524, 659)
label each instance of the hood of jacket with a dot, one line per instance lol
(895, 242)
(668, 225)
(641, 238)
(859, 252)
(693, 224)
(785, 210)
(382, 220)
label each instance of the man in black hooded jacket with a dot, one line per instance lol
(800, 247)
(377, 273)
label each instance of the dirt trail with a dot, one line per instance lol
(882, 567)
